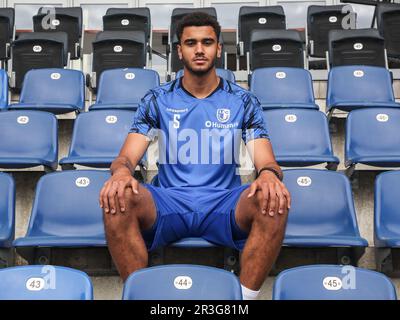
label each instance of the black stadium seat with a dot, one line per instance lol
(356, 47)
(388, 22)
(276, 48)
(7, 17)
(36, 50)
(320, 20)
(251, 18)
(117, 49)
(128, 19)
(67, 20)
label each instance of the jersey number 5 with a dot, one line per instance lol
(176, 121)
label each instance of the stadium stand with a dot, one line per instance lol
(282, 87)
(29, 139)
(3, 89)
(257, 18)
(124, 88)
(117, 49)
(332, 282)
(44, 283)
(322, 214)
(7, 219)
(276, 48)
(386, 222)
(223, 73)
(356, 47)
(371, 137)
(388, 24)
(67, 217)
(182, 282)
(36, 50)
(7, 17)
(300, 137)
(52, 90)
(98, 137)
(320, 20)
(353, 87)
(68, 20)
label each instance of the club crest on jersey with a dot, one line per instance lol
(223, 115)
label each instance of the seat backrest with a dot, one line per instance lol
(37, 50)
(67, 204)
(282, 85)
(332, 282)
(41, 282)
(129, 19)
(118, 49)
(127, 85)
(182, 282)
(100, 133)
(388, 22)
(6, 29)
(27, 133)
(276, 48)
(260, 17)
(179, 13)
(322, 203)
(356, 47)
(7, 209)
(298, 132)
(54, 86)
(373, 132)
(223, 73)
(10, 14)
(320, 20)
(359, 84)
(3, 89)
(387, 210)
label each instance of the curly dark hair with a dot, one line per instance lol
(198, 19)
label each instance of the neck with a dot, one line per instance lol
(200, 86)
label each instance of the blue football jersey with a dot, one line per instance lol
(199, 139)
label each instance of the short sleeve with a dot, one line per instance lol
(254, 126)
(146, 116)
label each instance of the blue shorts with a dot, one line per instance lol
(203, 212)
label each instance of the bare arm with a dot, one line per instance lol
(122, 169)
(275, 196)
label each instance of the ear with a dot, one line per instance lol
(179, 51)
(219, 50)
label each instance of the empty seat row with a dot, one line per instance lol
(322, 214)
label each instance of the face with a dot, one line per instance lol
(198, 49)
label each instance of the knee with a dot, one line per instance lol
(274, 226)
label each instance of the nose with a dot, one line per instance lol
(199, 48)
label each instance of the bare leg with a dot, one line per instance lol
(125, 241)
(264, 242)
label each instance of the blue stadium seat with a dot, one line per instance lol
(372, 137)
(332, 282)
(223, 73)
(66, 211)
(283, 87)
(29, 139)
(387, 210)
(53, 90)
(187, 242)
(3, 89)
(98, 137)
(41, 282)
(124, 88)
(300, 137)
(7, 210)
(352, 87)
(182, 282)
(322, 212)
